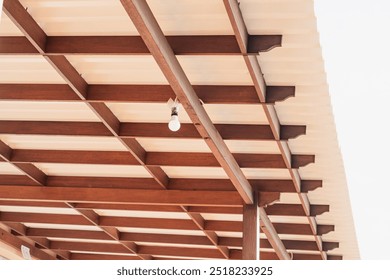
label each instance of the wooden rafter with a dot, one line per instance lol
(25, 156)
(209, 94)
(151, 130)
(134, 45)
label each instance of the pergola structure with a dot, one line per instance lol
(90, 170)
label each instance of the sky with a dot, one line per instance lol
(355, 42)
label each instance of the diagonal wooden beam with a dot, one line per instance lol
(147, 26)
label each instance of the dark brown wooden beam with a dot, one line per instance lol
(227, 131)
(132, 196)
(209, 94)
(262, 185)
(134, 45)
(295, 210)
(301, 160)
(54, 128)
(15, 217)
(276, 94)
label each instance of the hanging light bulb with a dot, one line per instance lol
(174, 123)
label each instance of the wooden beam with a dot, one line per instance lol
(209, 94)
(132, 196)
(25, 156)
(134, 45)
(152, 35)
(154, 130)
(271, 232)
(261, 185)
(251, 230)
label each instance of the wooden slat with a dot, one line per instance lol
(134, 45)
(209, 94)
(227, 131)
(162, 197)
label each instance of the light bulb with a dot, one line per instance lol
(174, 123)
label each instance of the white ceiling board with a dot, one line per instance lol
(27, 69)
(7, 27)
(8, 169)
(173, 145)
(236, 114)
(222, 217)
(229, 234)
(146, 112)
(289, 219)
(195, 172)
(54, 142)
(215, 70)
(252, 147)
(46, 111)
(83, 240)
(124, 69)
(190, 17)
(269, 173)
(143, 214)
(60, 226)
(94, 170)
(289, 198)
(85, 17)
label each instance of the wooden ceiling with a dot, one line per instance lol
(90, 170)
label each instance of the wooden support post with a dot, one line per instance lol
(251, 231)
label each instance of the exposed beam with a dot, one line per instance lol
(280, 209)
(152, 35)
(134, 45)
(132, 196)
(172, 239)
(251, 230)
(209, 94)
(271, 232)
(22, 157)
(154, 130)
(261, 185)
